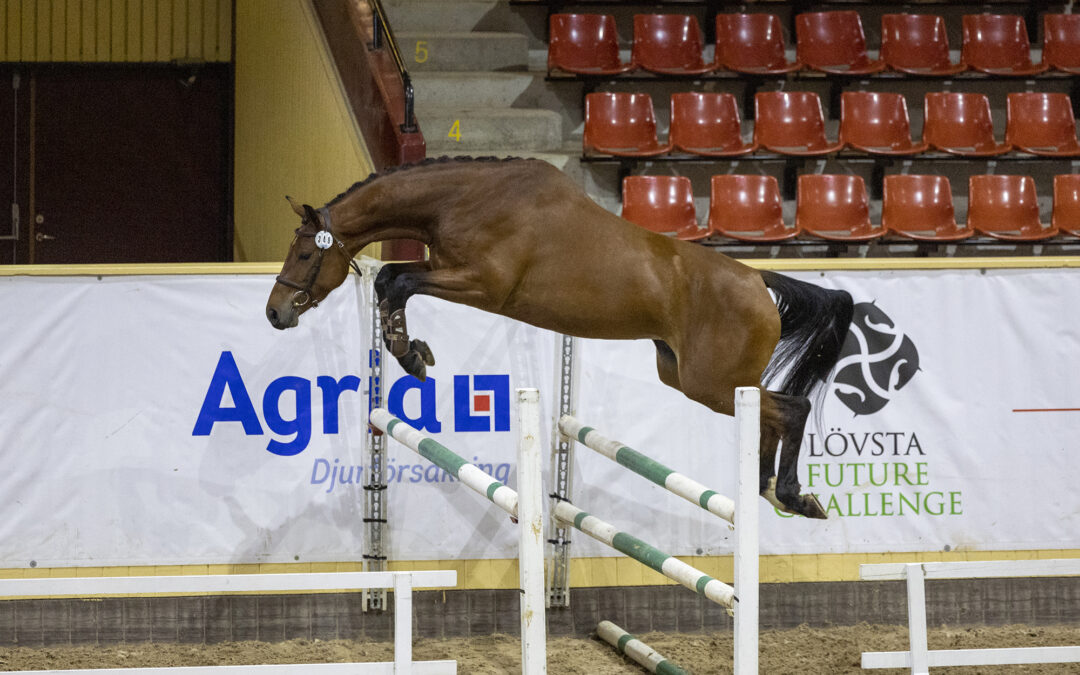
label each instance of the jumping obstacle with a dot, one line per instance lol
(745, 507)
(673, 481)
(627, 644)
(525, 506)
(646, 554)
(919, 658)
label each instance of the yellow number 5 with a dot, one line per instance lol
(421, 51)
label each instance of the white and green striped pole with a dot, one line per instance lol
(637, 650)
(673, 481)
(646, 554)
(447, 460)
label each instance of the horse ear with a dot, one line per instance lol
(296, 207)
(309, 215)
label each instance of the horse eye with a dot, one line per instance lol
(303, 256)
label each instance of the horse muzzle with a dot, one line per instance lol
(282, 318)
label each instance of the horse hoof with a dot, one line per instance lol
(421, 348)
(769, 494)
(413, 364)
(810, 507)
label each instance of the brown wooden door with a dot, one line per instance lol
(132, 165)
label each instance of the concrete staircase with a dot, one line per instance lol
(476, 93)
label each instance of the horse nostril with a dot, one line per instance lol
(271, 314)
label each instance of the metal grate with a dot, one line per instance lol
(562, 463)
(375, 487)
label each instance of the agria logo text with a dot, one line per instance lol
(481, 403)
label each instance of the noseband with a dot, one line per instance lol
(324, 239)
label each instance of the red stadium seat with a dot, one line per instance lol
(662, 204)
(791, 123)
(748, 208)
(1067, 203)
(1006, 207)
(877, 123)
(586, 44)
(670, 44)
(752, 43)
(707, 124)
(621, 124)
(833, 42)
(960, 124)
(1042, 124)
(917, 44)
(998, 44)
(1061, 42)
(835, 207)
(921, 208)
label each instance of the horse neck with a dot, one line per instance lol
(390, 207)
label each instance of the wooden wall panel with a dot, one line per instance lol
(109, 31)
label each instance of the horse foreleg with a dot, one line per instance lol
(667, 365)
(457, 284)
(794, 410)
(413, 355)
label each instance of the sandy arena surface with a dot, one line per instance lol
(828, 651)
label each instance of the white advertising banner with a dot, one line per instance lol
(161, 420)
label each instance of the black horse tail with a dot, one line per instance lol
(814, 323)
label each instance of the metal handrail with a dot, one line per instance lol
(381, 27)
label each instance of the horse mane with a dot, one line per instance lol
(430, 161)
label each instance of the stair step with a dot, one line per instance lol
(469, 89)
(509, 130)
(445, 15)
(558, 160)
(443, 51)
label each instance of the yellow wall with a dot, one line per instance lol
(115, 30)
(295, 133)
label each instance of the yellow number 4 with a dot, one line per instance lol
(455, 131)
(421, 51)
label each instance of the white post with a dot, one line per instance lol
(747, 438)
(916, 618)
(402, 624)
(530, 516)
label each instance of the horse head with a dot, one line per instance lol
(308, 274)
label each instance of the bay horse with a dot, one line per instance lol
(518, 238)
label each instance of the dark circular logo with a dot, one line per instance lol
(876, 361)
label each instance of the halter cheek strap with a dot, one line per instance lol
(324, 240)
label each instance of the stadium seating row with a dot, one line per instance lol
(833, 207)
(792, 123)
(829, 42)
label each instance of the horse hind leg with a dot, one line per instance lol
(789, 422)
(413, 355)
(769, 443)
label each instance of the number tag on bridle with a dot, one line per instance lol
(324, 239)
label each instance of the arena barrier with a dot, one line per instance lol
(745, 507)
(525, 506)
(402, 583)
(637, 650)
(919, 659)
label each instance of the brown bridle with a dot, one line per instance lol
(324, 239)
